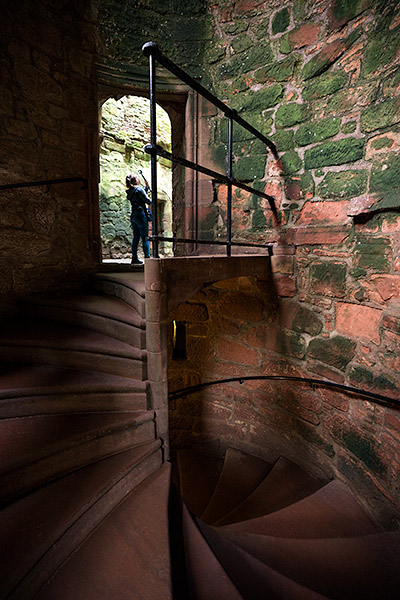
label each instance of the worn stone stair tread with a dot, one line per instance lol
(51, 446)
(22, 380)
(240, 475)
(36, 334)
(331, 511)
(127, 556)
(285, 483)
(96, 304)
(254, 579)
(33, 526)
(361, 568)
(133, 281)
(206, 577)
(199, 475)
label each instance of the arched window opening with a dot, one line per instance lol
(125, 130)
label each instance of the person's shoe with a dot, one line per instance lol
(136, 261)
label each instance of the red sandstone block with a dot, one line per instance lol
(358, 321)
(318, 235)
(314, 213)
(304, 36)
(387, 286)
(335, 399)
(285, 285)
(238, 353)
(392, 420)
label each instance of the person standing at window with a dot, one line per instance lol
(138, 198)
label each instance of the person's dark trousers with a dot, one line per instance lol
(140, 229)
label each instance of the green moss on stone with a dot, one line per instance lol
(380, 143)
(280, 21)
(385, 176)
(364, 449)
(337, 351)
(241, 42)
(380, 51)
(306, 321)
(343, 11)
(345, 184)
(316, 131)
(360, 375)
(283, 140)
(280, 71)
(328, 277)
(381, 115)
(372, 253)
(249, 168)
(291, 162)
(250, 59)
(290, 114)
(357, 273)
(341, 152)
(349, 127)
(260, 100)
(258, 220)
(285, 46)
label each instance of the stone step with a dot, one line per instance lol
(41, 389)
(252, 577)
(44, 342)
(39, 531)
(130, 287)
(127, 556)
(286, 483)
(240, 475)
(331, 511)
(38, 449)
(361, 568)
(205, 573)
(198, 476)
(104, 314)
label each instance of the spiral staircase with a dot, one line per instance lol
(90, 507)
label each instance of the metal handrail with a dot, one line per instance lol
(379, 398)
(46, 182)
(152, 51)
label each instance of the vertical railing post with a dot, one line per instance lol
(229, 194)
(150, 49)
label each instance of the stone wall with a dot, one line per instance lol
(322, 80)
(48, 118)
(125, 130)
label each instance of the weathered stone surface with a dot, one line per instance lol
(323, 60)
(325, 86)
(304, 35)
(385, 176)
(317, 213)
(258, 101)
(305, 321)
(291, 114)
(337, 351)
(280, 71)
(280, 21)
(372, 253)
(381, 115)
(316, 131)
(334, 153)
(299, 187)
(283, 140)
(249, 168)
(328, 278)
(342, 11)
(358, 321)
(343, 184)
(291, 162)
